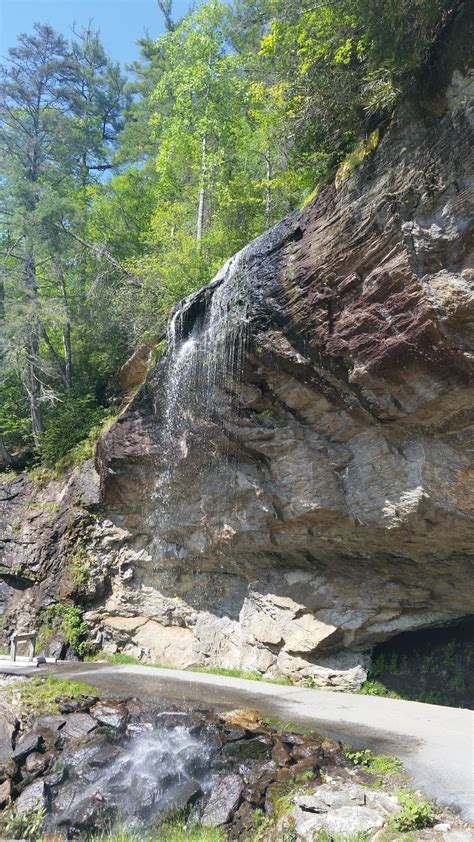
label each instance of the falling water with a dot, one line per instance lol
(206, 355)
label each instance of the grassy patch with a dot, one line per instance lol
(123, 658)
(44, 695)
(355, 158)
(324, 836)
(379, 764)
(246, 674)
(26, 825)
(283, 726)
(179, 831)
(376, 688)
(7, 476)
(175, 829)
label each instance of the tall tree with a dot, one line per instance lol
(61, 110)
(166, 8)
(31, 92)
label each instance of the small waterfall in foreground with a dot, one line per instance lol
(207, 345)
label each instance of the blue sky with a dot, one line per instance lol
(121, 22)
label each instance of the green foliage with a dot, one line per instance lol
(416, 814)
(43, 695)
(69, 620)
(122, 658)
(175, 828)
(26, 825)
(381, 764)
(376, 688)
(433, 673)
(80, 567)
(246, 674)
(76, 420)
(324, 836)
(355, 158)
(180, 830)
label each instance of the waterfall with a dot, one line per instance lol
(207, 344)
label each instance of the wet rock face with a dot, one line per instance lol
(325, 502)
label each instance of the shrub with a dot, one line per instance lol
(416, 812)
(68, 424)
(377, 763)
(69, 619)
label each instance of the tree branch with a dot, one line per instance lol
(99, 251)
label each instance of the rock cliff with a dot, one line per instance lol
(293, 482)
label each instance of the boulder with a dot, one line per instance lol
(223, 801)
(247, 718)
(33, 798)
(115, 716)
(26, 745)
(56, 647)
(49, 728)
(247, 750)
(36, 763)
(8, 727)
(6, 790)
(180, 796)
(349, 821)
(74, 806)
(78, 725)
(174, 719)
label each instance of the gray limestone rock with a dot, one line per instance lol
(33, 798)
(28, 744)
(78, 725)
(223, 801)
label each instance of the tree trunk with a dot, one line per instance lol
(67, 326)
(5, 458)
(33, 355)
(268, 188)
(202, 192)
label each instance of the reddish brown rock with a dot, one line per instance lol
(280, 754)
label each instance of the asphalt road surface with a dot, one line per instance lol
(435, 744)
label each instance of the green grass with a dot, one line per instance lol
(324, 836)
(246, 674)
(376, 688)
(44, 695)
(378, 764)
(123, 658)
(172, 830)
(26, 825)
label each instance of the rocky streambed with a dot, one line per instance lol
(84, 765)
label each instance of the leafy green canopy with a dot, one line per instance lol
(119, 197)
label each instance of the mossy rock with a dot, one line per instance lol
(245, 750)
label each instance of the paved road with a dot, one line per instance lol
(435, 744)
